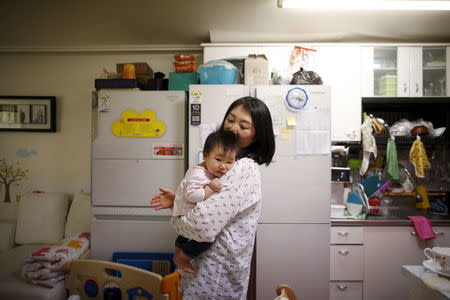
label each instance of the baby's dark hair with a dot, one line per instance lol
(221, 138)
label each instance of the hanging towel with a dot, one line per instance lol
(391, 159)
(422, 191)
(368, 143)
(423, 227)
(418, 157)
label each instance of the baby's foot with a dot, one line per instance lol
(182, 262)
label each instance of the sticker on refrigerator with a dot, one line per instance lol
(132, 124)
(195, 96)
(196, 112)
(168, 151)
(103, 103)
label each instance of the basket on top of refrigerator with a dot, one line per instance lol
(184, 63)
(218, 72)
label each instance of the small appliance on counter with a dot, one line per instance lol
(340, 172)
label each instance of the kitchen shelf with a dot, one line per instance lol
(409, 140)
(393, 109)
(411, 194)
(434, 68)
(404, 100)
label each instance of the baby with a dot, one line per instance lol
(199, 183)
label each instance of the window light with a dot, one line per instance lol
(366, 4)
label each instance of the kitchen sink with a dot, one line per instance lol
(402, 214)
(401, 207)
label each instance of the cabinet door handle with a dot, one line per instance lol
(404, 88)
(342, 287)
(342, 233)
(417, 88)
(343, 252)
(438, 233)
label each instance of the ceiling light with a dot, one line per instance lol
(366, 4)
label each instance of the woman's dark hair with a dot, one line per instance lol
(221, 138)
(262, 148)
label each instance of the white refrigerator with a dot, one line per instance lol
(292, 241)
(293, 235)
(138, 146)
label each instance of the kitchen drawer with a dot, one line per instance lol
(346, 262)
(346, 235)
(344, 290)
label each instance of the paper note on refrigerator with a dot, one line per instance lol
(277, 109)
(313, 119)
(312, 142)
(291, 121)
(205, 130)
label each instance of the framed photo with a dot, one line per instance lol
(28, 113)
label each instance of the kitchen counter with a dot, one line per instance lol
(384, 222)
(399, 219)
(425, 284)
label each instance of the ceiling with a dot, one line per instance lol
(87, 23)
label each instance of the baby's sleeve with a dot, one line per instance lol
(195, 187)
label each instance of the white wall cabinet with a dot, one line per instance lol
(405, 71)
(386, 249)
(339, 67)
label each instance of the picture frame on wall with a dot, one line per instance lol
(28, 113)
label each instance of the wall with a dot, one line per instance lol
(60, 161)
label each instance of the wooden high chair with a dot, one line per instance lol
(285, 292)
(97, 279)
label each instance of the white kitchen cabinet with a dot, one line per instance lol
(346, 235)
(405, 71)
(223, 51)
(338, 66)
(436, 71)
(346, 290)
(386, 249)
(293, 254)
(346, 262)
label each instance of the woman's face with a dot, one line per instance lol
(240, 122)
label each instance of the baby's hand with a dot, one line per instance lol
(215, 185)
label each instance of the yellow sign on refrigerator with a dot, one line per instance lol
(132, 124)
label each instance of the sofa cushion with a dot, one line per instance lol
(79, 216)
(41, 218)
(12, 286)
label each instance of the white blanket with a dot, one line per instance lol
(48, 265)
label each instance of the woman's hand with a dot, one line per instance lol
(163, 200)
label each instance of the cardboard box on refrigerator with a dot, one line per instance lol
(140, 68)
(256, 70)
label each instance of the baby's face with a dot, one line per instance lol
(218, 162)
